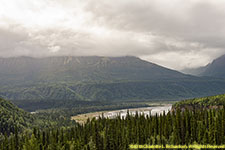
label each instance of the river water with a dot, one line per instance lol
(141, 111)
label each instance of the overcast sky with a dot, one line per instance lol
(174, 33)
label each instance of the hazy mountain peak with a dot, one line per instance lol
(213, 69)
(72, 68)
(96, 78)
(216, 68)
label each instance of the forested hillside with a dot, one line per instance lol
(217, 101)
(178, 128)
(36, 97)
(11, 117)
(63, 81)
(213, 69)
(216, 68)
(14, 119)
(71, 69)
(112, 74)
(54, 130)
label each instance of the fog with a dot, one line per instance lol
(174, 33)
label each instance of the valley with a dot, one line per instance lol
(109, 131)
(122, 113)
(112, 74)
(83, 103)
(69, 81)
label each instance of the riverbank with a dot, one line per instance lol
(151, 110)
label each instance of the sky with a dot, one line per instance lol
(177, 34)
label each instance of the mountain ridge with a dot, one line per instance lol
(213, 69)
(216, 68)
(82, 69)
(211, 102)
(73, 79)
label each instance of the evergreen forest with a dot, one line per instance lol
(198, 126)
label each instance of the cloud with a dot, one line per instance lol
(176, 34)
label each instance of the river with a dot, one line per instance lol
(153, 110)
(141, 111)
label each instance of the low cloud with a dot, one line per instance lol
(173, 33)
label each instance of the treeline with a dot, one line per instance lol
(216, 101)
(92, 107)
(33, 105)
(11, 116)
(178, 127)
(54, 95)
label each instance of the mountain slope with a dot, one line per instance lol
(194, 71)
(72, 69)
(217, 101)
(64, 81)
(12, 116)
(216, 68)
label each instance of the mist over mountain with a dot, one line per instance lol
(214, 69)
(61, 81)
(73, 69)
(194, 71)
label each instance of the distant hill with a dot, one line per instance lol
(12, 117)
(62, 81)
(217, 101)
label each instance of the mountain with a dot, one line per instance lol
(12, 117)
(73, 69)
(64, 81)
(194, 71)
(214, 69)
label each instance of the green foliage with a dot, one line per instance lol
(12, 117)
(205, 102)
(180, 127)
(53, 82)
(70, 69)
(81, 108)
(44, 96)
